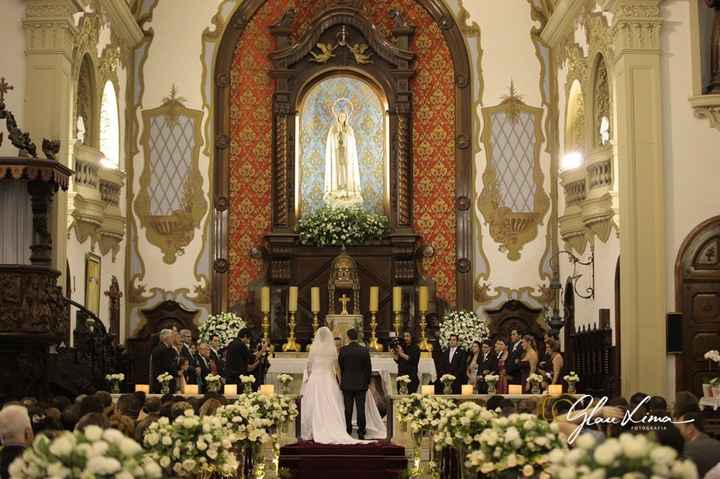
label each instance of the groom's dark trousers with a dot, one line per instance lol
(355, 371)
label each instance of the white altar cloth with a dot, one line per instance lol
(385, 366)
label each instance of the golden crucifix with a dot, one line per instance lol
(344, 300)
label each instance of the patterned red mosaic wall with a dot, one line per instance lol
(433, 139)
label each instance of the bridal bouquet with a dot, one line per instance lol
(519, 442)
(91, 453)
(460, 427)
(226, 326)
(628, 456)
(467, 325)
(193, 445)
(421, 413)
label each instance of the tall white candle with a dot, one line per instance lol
(315, 299)
(374, 299)
(397, 299)
(423, 293)
(292, 299)
(265, 299)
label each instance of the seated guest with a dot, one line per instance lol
(636, 399)
(178, 409)
(164, 359)
(90, 404)
(669, 435)
(494, 402)
(703, 450)
(15, 434)
(93, 419)
(528, 406)
(685, 401)
(123, 424)
(657, 405)
(508, 407)
(209, 407)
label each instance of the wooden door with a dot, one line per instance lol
(698, 297)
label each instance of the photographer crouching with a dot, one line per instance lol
(407, 357)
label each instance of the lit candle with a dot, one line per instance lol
(191, 390)
(555, 389)
(265, 299)
(397, 299)
(267, 389)
(467, 389)
(292, 299)
(423, 293)
(231, 389)
(142, 388)
(427, 390)
(374, 299)
(315, 299)
(515, 389)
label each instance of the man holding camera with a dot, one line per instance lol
(407, 357)
(240, 361)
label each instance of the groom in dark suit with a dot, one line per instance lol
(355, 371)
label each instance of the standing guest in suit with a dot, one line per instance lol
(455, 362)
(217, 353)
(164, 359)
(191, 375)
(239, 360)
(205, 362)
(515, 354)
(16, 434)
(488, 364)
(355, 371)
(407, 357)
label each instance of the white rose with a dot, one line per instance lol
(129, 447)
(124, 475)
(605, 454)
(153, 438)
(56, 470)
(164, 462)
(103, 465)
(62, 446)
(663, 455)
(201, 445)
(166, 440)
(100, 448)
(212, 453)
(189, 465)
(93, 433)
(634, 447)
(566, 473)
(112, 435)
(152, 470)
(586, 441)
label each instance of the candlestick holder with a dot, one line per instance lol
(266, 327)
(373, 344)
(315, 322)
(397, 324)
(291, 344)
(424, 343)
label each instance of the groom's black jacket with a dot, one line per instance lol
(355, 369)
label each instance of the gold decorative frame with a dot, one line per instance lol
(171, 233)
(510, 228)
(93, 274)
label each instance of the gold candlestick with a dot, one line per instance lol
(266, 327)
(315, 323)
(291, 344)
(424, 343)
(373, 344)
(397, 324)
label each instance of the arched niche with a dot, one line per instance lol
(291, 69)
(575, 119)
(86, 108)
(602, 109)
(109, 142)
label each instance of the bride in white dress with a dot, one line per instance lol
(322, 409)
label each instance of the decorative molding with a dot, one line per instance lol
(562, 22)
(636, 25)
(707, 107)
(123, 22)
(49, 27)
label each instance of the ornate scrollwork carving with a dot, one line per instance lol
(281, 170)
(403, 171)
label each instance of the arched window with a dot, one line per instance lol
(574, 129)
(110, 127)
(85, 105)
(602, 125)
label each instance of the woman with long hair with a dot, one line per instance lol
(473, 363)
(501, 348)
(529, 361)
(556, 362)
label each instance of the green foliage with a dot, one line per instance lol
(342, 227)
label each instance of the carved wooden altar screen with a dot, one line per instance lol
(269, 58)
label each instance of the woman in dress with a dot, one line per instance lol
(183, 366)
(472, 366)
(556, 362)
(502, 355)
(529, 361)
(322, 408)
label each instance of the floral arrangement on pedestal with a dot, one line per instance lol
(226, 326)
(213, 382)
(519, 443)
(467, 325)
(712, 387)
(402, 383)
(285, 380)
(629, 455)
(92, 453)
(491, 380)
(164, 380)
(535, 381)
(115, 379)
(460, 427)
(247, 381)
(571, 379)
(447, 380)
(341, 226)
(192, 445)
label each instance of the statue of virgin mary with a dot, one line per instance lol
(342, 171)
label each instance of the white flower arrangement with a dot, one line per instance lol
(225, 326)
(447, 378)
(404, 379)
(213, 378)
(713, 355)
(285, 379)
(535, 378)
(572, 377)
(192, 446)
(492, 378)
(341, 226)
(249, 379)
(627, 456)
(518, 442)
(164, 378)
(467, 325)
(119, 377)
(255, 417)
(460, 427)
(422, 413)
(91, 453)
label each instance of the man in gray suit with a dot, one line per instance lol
(703, 450)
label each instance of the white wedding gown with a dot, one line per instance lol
(322, 417)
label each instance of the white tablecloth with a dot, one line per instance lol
(385, 366)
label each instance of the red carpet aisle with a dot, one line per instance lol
(379, 460)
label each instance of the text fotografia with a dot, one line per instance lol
(592, 416)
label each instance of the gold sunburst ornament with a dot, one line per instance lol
(514, 102)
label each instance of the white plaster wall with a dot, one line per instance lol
(12, 65)
(691, 146)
